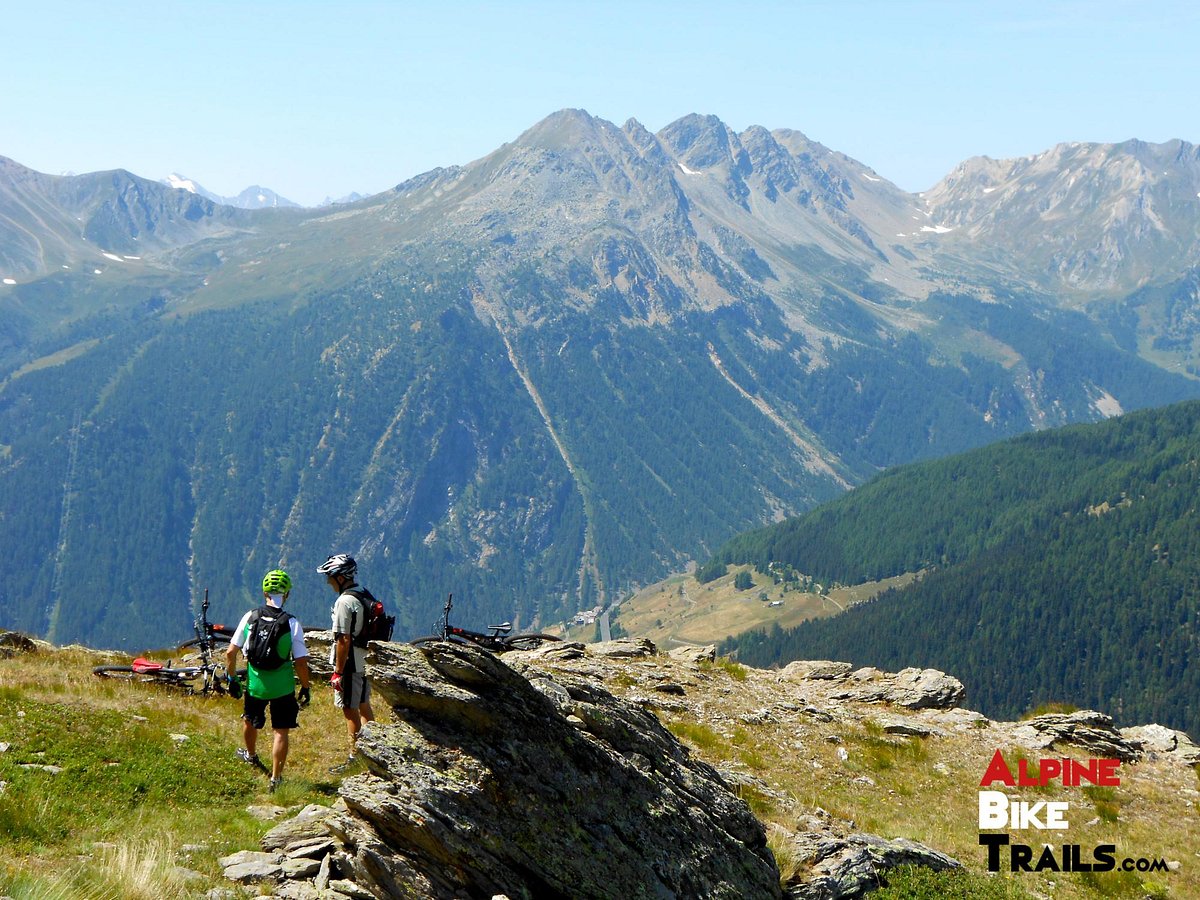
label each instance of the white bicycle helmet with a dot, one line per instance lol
(339, 564)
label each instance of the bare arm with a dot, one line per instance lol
(301, 665)
(342, 652)
(231, 656)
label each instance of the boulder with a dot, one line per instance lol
(1159, 740)
(623, 648)
(487, 784)
(909, 688)
(694, 655)
(815, 670)
(13, 642)
(837, 867)
(1087, 729)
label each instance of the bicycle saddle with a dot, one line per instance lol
(502, 628)
(141, 666)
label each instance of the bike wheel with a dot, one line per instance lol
(125, 672)
(217, 640)
(529, 641)
(432, 640)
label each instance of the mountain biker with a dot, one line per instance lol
(271, 687)
(351, 689)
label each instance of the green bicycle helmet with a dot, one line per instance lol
(277, 582)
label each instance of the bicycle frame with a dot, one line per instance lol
(209, 672)
(498, 640)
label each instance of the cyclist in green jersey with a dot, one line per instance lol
(271, 686)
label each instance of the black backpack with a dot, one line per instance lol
(377, 625)
(267, 625)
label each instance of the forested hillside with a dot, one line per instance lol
(1062, 566)
(539, 380)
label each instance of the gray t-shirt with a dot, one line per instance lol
(348, 618)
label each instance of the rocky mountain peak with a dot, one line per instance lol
(705, 142)
(1087, 216)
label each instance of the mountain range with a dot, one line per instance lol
(548, 376)
(253, 197)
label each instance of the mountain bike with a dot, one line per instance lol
(498, 640)
(206, 677)
(216, 633)
(220, 635)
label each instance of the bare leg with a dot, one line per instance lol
(279, 752)
(353, 725)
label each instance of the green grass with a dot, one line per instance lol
(917, 883)
(128, 797)
(112, 765)
(1108, 807)
(881, 752)
(698, 735)
(734, 670)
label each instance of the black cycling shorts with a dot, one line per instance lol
(285, 712)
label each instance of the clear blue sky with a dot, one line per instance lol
(317, 99)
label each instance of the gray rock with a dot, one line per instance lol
(1165, 742)
(482, 787)
(311, 850)
(350, 889)
(323, 874)
(1090, 730)
(249, 856)
(300, 867)
(909, 688)
(910, 729)
(297, 890)
(309, 827)
(837, 867)
(819, 714)
(557, 650)
(694, 655)
(623, 648)
(248, 872)
(815, 670)
(925, 689)
(185, 874)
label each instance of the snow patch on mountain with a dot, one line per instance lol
(183, 184)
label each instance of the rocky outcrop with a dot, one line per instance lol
(840, 866)
(539, 784)
(1095, 733)
(13, 642)
(909, 688)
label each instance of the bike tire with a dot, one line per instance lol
(529, 641)
(125, 672)
(215, 640)
(432, 640)
(182, 677)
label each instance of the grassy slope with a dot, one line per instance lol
(680, 610)
(130, 800)
(115, 822)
